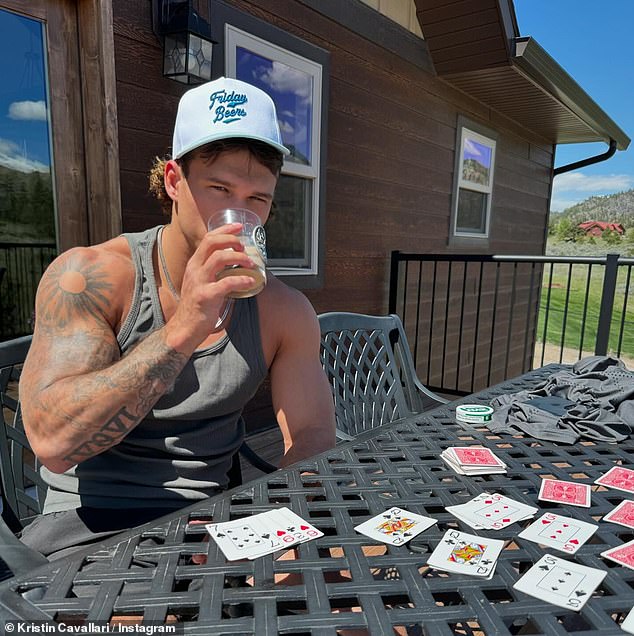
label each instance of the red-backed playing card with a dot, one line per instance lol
(565, 492)
(475, 456)
(624, 555)
(623, 514)
(619, 478)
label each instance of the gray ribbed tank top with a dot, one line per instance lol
(182, 450)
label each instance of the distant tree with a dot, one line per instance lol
(611, 237)
(568, 230)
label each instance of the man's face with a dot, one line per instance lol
(233, 179)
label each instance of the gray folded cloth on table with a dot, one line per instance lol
(594, 400)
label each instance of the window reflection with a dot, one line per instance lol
(26, 188)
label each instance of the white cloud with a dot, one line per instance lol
(573, 187)
(28, 110)
(284, 79)
(11, 156)
(471, 148)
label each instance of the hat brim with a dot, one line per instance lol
(217, 137)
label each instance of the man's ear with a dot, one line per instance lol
(172, 176)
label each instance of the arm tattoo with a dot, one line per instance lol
(72, 288)
(144, 374)
(110, 433)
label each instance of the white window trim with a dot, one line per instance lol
(234, 38)
(475, 187)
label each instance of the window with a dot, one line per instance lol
(474, 184)
(294, 80)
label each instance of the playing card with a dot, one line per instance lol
(466, 554)
(623, 514)
(623, 554)
(395, 526)
(628, 624)
(619, 478)
(242, 538)
(565, 492)
(475, 456)
(561, 533)
(290, 528)
(560, 582)
(452, 461)
(491, 511)
(261, 534)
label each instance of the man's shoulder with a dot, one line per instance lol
(112, 257)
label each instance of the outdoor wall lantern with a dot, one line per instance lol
(187, 43)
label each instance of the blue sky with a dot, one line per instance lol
(24, 139)
(591, 40)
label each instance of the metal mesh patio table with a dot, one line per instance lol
(148, 571)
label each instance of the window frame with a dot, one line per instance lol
(232, 28)
(470, 130)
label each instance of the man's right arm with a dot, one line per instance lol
(79, 396)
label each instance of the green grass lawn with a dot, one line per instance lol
(575, 293)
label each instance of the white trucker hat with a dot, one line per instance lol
(225, 109)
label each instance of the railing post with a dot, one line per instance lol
(607, 304)
(394, 260)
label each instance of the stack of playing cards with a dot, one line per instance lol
(472, 460)
(395, 526)
(619, 478)
(560, 582)
(561, 533)
(565, 492)
(491, 512)
(261, 534)
(466, 554)
(623, 555)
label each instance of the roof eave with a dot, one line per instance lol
(534, 63)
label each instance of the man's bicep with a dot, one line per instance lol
(72, 333)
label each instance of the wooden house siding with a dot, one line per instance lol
(392, 130)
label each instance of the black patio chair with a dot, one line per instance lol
(370, 371)
(23, 489)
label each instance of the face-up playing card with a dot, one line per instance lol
(290, 528)
(261, 534)
(560, 582)
(466, 554)
(491, 511)
(623, 555)
(628, 624)
(395, 526)
(565, 492)
(623, 514)
(243, 538)
(561, 533)
(619, 478)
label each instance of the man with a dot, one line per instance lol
(140, 364)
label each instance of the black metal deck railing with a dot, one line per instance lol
(23, 264)
(474, 320)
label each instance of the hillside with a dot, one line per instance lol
(617, 208)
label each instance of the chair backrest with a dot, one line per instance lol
(370, 371)
(23, 489)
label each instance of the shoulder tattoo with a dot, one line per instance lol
(72, 288)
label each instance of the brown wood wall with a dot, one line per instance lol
(392, 137)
